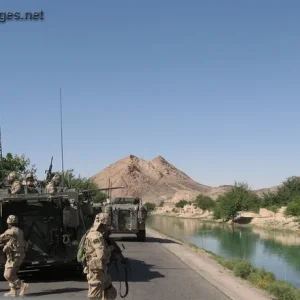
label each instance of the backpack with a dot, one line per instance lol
(81, 252)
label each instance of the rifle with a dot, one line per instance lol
(117, 256)
(49, 171)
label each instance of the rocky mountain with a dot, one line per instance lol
(154, 181)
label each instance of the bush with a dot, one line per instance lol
(181, 203)
(242, 269)
(273, 208)
(205, 202)
(283, 291)
(228, 263)
(261, 278)
(149, 206)
(293, 208)
(289, 191)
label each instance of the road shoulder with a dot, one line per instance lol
(223, 279)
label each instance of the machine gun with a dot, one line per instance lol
(103, 189)
(49, 171)
(117, 256)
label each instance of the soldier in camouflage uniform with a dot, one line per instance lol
(15, 252)
(97, 254)
(52, 185)
(30, 183)
(16, 185)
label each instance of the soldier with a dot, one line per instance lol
(15, 252)
(30, 183)
(52, 185)
(97, 254)
(16, 185)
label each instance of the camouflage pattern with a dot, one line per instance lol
(16, 185)
(30, 183)
(98, 253)
(52, 185)
(15, 247)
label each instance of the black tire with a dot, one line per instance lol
(141, 235)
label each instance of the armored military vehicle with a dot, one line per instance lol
(53, 225)
(128, 215)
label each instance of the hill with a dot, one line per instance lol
(154, 180)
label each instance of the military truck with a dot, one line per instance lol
(53, 225)
(128, 215)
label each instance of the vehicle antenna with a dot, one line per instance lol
(61, 138)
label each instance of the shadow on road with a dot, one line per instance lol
(55, 291)
(140, 272)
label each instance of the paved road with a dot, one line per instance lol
(157, 274)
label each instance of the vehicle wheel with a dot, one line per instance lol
(141, 236)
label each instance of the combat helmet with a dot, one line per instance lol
(29, 175)
(56, 178)
(12, 219)
(12, 176)
(102, 218)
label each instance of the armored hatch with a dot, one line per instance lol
(128, 215)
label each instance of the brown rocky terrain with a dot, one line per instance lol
(153, 180)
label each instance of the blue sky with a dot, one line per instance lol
(211, 86)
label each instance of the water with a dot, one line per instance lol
(276, 251)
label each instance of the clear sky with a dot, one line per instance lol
(213, 86)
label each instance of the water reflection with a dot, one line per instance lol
(278, 252)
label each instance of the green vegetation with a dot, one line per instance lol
(83, 183)
(205, 202)
(149, 206)
(19, 164)
(182, 203)
(260, 278)
(238, 198)
(241, 198)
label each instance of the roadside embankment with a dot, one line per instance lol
(236, 278)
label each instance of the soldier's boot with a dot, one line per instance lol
(24, 287)
(11, 293)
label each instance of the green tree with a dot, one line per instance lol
(238, 198)
(293, 208)
(182, 203)
(83, 183)
(289, 190)
(205, 202)
(149, 206)
(15, 163)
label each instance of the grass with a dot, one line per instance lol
(258, 277)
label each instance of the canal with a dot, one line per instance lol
(276, 251)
